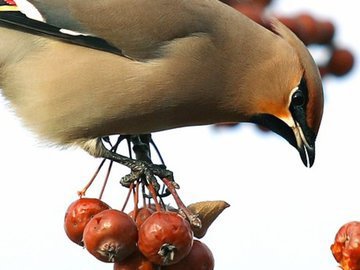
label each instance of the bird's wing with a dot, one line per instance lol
(17, 20)
(139, 28)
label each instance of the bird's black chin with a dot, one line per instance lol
(276, 125)
(300, 137)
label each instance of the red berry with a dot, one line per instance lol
(111, 236)
(263, 3)
(142, 214)
(290, 22)
(326, 32)
(165, 238)
(306, 28)
(346, 248)
(135, 261)
(323, 71)
(199, 258)
(254, 12)
(341, 62)
(78, 215)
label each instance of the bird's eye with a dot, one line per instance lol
(298, 98)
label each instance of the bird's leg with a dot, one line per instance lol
(142, 165)
(145, 172)
(142, 151)
(141, 147)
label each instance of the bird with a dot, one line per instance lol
(91, 69)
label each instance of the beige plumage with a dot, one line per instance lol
(186, 63)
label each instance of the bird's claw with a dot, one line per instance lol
(149, 171)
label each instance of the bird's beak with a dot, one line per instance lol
(298, 134)
(305, 145)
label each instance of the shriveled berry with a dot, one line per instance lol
(79, 214)
(142, 214)
(135, 261)
(165, 238)
(111, 236)
(346, 247)
(199, 258)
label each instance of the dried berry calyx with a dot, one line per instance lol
(207, 212)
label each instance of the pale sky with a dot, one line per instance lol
(282, 215)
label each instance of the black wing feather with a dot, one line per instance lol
(18, 21)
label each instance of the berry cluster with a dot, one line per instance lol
(154, 235)
(143, 239)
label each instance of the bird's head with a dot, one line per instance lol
(293, 106)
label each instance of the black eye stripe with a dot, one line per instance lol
(299, 98)
(303, 85)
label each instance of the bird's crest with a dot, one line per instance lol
(311, 74)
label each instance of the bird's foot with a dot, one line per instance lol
(140, 169)
(154, 178)
(142, 166)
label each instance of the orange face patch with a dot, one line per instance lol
(281, 111)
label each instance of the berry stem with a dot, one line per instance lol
(82, 192)
(172, 186)
(128, 141)
(157, 151)
(154, 196)
(136, 199)
(114, 149)
(131, 187)
(106, 179)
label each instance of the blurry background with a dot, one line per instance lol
(282, 215)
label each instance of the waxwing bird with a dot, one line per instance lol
(136, 67)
